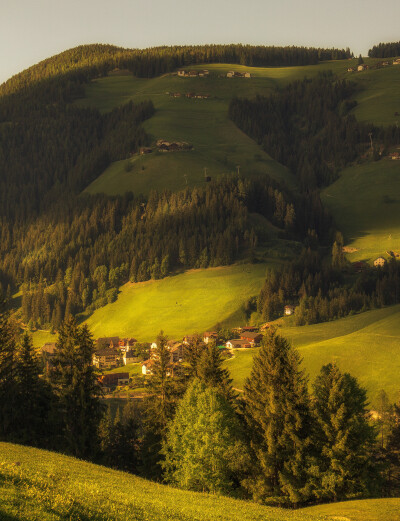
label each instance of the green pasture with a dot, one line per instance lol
(366, 345)
(37, 484)
(365, 203)
(182, 304)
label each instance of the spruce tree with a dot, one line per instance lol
(35, 399)
(76, 385)
(8, 386)
(344, 435)
(164, 390)
(203, 447)
(277, 411)
(209, 370)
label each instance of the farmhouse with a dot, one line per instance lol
(106, 358)
(379, 262)
(359, 266)
(288, 310)
(147, 367)
(129, 357)
(252, 338)
(114, 379)
(236, 74)
(209, 336)
(237, 343)
(109, 341)
(125, 344)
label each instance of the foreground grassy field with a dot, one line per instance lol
(182, 304)
(366, 345)
(39, 485)
(365, 202)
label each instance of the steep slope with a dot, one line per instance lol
(365, 345)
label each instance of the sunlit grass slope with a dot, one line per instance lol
(366, 345)
(365, 203)
(179, 305)
(40, 485)
(218, 144)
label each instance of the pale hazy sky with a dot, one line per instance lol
(31, 30)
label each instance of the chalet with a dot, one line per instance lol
(114, 379)
(193, 74)
(209, 336)
(395, 156)
(396, 61)
(361, 67)
(288, 310)
(49, 348)
(385, 64)
(147, 367)
(359, 266)
(107, 341)
(145, 150)
(204, 73)
(264, 327)
(351, 69)
(236, 74)
(188, 339)
(249, 329)
(237, 343)
(107, 358)
(129, 357)
(125, 344)
(253, 338)
(182, 73)
(379, 262)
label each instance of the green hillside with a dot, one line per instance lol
(36, 484)
(365, 203)
(365, 345)
(192, 301)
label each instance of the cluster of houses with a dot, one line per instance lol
(237, 74)
(379, 65)
(193, 73)
(190, 95)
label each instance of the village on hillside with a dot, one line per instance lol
(112, 353)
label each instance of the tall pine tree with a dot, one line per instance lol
(277, 410)
(344, 435)
(76, 385)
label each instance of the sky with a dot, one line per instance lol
(32, 30)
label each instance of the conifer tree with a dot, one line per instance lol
(344, 436)
(34, 397)
(8, 386)
(209, 370)
(203, 447)
(76, 385)
(159, 406)
(277, 411)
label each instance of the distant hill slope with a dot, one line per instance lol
(365, 203)
(365, 345)
(36, 484)
(192, 301)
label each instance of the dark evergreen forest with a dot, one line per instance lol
(385, 50)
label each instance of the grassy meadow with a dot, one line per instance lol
(365, 203)
(182, 304)
(40, 485)
(365, 345)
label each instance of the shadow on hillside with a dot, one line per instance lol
(4, 516)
